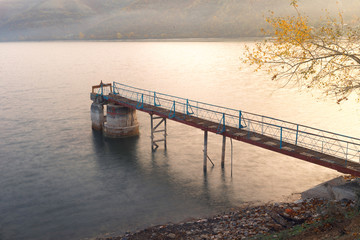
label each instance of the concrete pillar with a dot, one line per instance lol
(205, 150)
(97, 115)
(120, 122)
(223, 152)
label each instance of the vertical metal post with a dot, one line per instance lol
(165, 134)
(281, 137)
(231, 155)
(155, 99)
(347, 150)
(187, 107)
(172, 111)
(140, 104)
(262, 125)
(205, 149)
(152, 132)
(223, 129)
(223, 152)
(297, 133)
(240, 119)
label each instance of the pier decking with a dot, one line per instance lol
(324, 148)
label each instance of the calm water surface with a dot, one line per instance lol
(61, 180)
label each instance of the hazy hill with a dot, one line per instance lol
(129, 19)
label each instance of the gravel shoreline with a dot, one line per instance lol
(243, 223)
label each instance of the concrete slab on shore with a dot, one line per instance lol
(336, 189)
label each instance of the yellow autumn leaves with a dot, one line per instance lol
(325, 56)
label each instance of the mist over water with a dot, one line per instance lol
(61, 180)
(157, 19)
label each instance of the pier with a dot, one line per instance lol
(325, 148)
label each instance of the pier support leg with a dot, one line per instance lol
(165, 134)
(205, 149)
(152, 133)
(223, 152)
(154, 142)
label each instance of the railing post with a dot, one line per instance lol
(281, 137)
(140, 104)
(347, 150)
(240, 113)
(155, 97)
(172, 111)
(187, 106)
(297, 134)
(262, 125)
(223, 129)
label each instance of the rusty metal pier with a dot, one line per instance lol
(328, 149)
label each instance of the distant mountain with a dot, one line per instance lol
(138, 19)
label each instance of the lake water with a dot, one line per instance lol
(61, 180)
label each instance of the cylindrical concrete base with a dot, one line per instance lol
(97, 116)
(120, 122)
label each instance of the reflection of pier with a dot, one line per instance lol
(155, 176)
(324, 148)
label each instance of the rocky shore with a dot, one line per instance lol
(268, 221)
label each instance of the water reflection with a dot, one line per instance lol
(115, 146)
(154, 176)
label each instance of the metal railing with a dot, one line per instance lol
(333, 144)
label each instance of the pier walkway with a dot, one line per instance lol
(328, 149)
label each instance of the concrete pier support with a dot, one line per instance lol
(97, 116)
(223, 152)
(205, 150)
(120, 122)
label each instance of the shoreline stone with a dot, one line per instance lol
(246, 221)
(335, 189)
(242, 223)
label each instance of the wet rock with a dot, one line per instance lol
(242, 223)
(204, 237)
(171, 235)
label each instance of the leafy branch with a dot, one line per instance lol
(325, 57)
